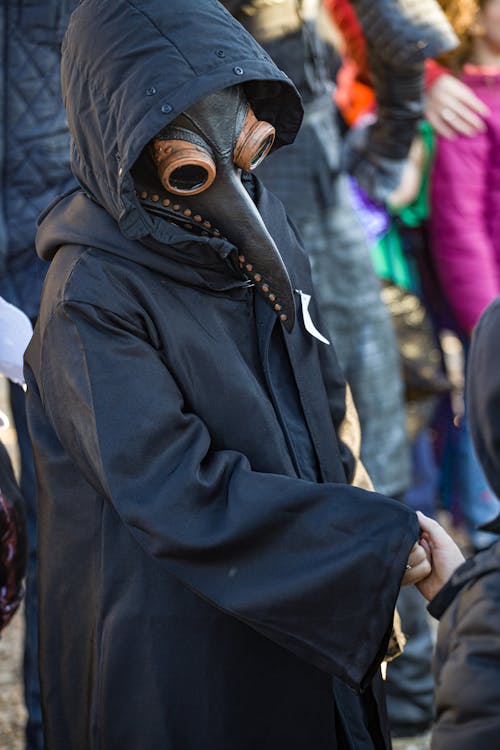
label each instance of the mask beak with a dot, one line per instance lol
(258, 255)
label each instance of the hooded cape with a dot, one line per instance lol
(208, 576)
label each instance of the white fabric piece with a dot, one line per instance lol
(15, 334)
(306, 316)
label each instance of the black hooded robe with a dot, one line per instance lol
(208, 577)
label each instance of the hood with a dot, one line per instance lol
(181, 51)
(483, 395)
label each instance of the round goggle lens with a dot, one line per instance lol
(262, 151)
(188, 177)
(254, 142)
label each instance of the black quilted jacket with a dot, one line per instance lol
(34, 142)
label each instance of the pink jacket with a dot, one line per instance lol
(465, 216)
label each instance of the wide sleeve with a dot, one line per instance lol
(314, 567)
(460, 242)
(468, 679)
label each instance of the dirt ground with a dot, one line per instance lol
(12, 711)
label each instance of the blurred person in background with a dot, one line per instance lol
(452, 107)
(34, 160)
(465, 236)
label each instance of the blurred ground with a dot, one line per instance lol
(422, 742)
(12, 712)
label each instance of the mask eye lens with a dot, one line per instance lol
(184, 167)
(254, 142)
(187, 178)
(262, 151)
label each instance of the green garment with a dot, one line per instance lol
(388, 254)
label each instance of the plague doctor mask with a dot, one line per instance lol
(198, 163)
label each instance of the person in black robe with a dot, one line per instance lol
(210, 575)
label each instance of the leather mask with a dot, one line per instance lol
(198, 162)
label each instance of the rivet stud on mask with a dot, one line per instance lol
(186, 212)
(264, 287)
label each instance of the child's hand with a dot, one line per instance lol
(418, 566)
(442, 553)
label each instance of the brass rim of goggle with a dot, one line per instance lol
(184, 168)
(254, 142)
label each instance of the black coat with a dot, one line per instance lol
(205, 567)
(467, 656)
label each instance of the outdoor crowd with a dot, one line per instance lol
(249, 304)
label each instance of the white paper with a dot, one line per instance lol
(306, 316)
(15, 334)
